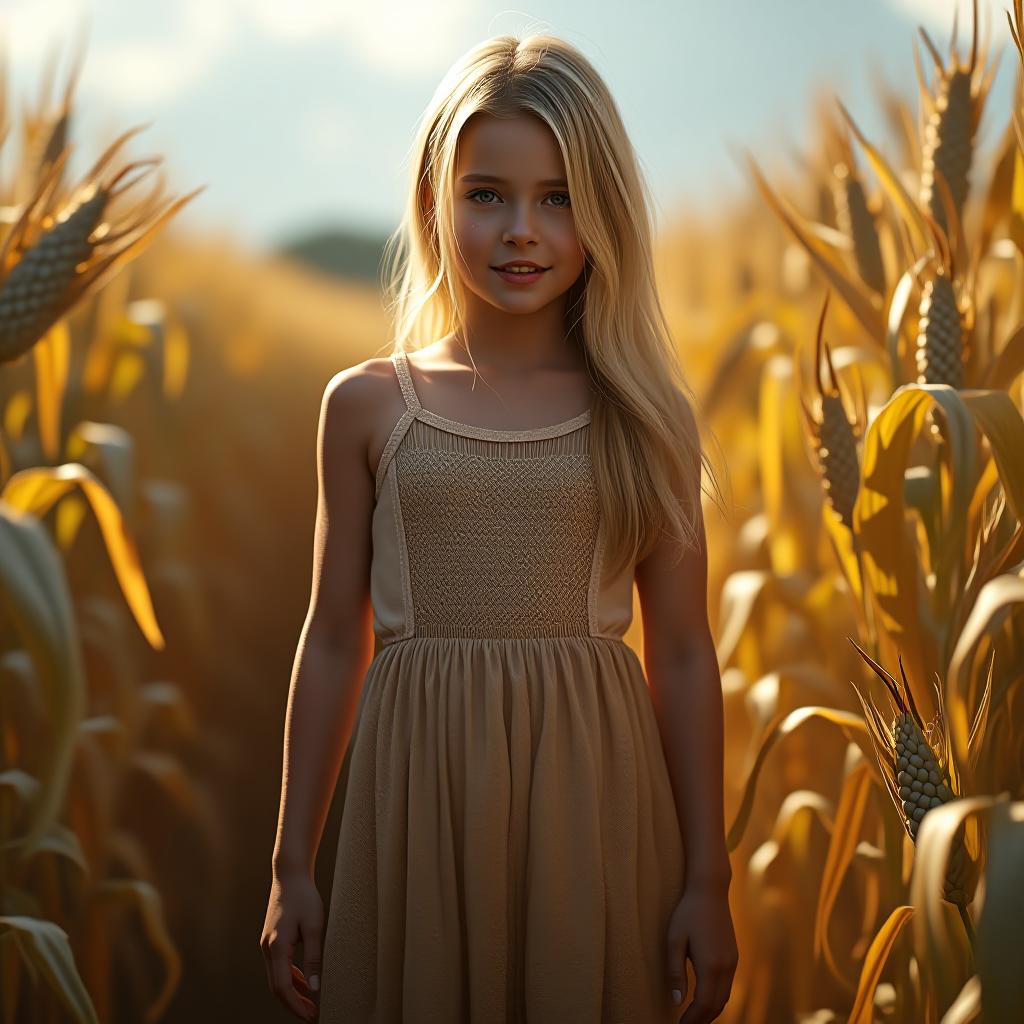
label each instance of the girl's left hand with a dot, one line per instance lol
(701, 928)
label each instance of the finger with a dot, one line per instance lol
(311, 953)
(722, 988)
(299, 980)
(265, 956)
(676, 968)
(281, 972)
(699, 1011)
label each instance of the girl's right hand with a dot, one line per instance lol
(294, 914)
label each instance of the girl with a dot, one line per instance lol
(517, 796)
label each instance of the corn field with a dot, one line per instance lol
(856, 336)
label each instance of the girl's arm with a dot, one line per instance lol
(334, 651)
(336, 643)
(686, 690)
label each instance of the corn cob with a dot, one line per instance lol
(37, 284)
(948, 145)
(940, 338)
(916, 774)
(53, 259)
(837, 458)
(855, 219)
(833, 437)
(954, 106)
(922, 786)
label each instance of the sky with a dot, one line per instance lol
(299, 115)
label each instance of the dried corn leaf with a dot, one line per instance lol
(862, 1011)
(36, 489)
(852, 726)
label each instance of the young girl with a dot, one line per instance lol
(517, 796)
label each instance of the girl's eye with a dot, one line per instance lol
(481, 191)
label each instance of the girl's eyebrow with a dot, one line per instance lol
(501, 181)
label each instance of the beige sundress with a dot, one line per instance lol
(509, 849)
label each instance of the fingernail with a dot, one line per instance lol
(314, 983)
(677, 996)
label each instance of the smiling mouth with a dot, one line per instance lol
(530, 270)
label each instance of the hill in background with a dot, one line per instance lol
(338, 252)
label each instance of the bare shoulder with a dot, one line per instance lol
(363, 402)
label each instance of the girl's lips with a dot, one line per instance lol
(520, 278)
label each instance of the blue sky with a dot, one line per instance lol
(299, 115)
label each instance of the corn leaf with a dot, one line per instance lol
(859, 300)
(1001, 422)
(892, 185)
(1003, 370)
(943, 957)
(51, 355)
(37, 601)
(853, 802)
(1016, 226)
(852, 726)
(862, 1011)
(36, 489)
(145, 899)
(998, 599)
(890, 564)
(1002, 981)
(45, 946)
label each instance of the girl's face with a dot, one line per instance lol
(511, 205)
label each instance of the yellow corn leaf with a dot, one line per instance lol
(35, 490)
(890, 181)
(996, 204)
(780, 455)
(1001, 422)
(874, 963)
(998, 599)
(853, 802)
(177, 353)
(51, 355)
(890, 564)
(16, 414)
(844, 543)
(987, 479)
(44, 947)
(860, 301)
(740, 594)
(1016, 226)
(852, 726)
(1003, 370)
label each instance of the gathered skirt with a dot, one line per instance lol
(509, 848)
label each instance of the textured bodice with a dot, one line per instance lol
(480, 532)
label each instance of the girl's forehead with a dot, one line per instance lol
(487, 142)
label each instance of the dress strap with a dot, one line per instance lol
(401, 361)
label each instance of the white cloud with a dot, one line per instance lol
(131, 58)
(142, 56)
(397, 36)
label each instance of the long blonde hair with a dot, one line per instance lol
(645, 441)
